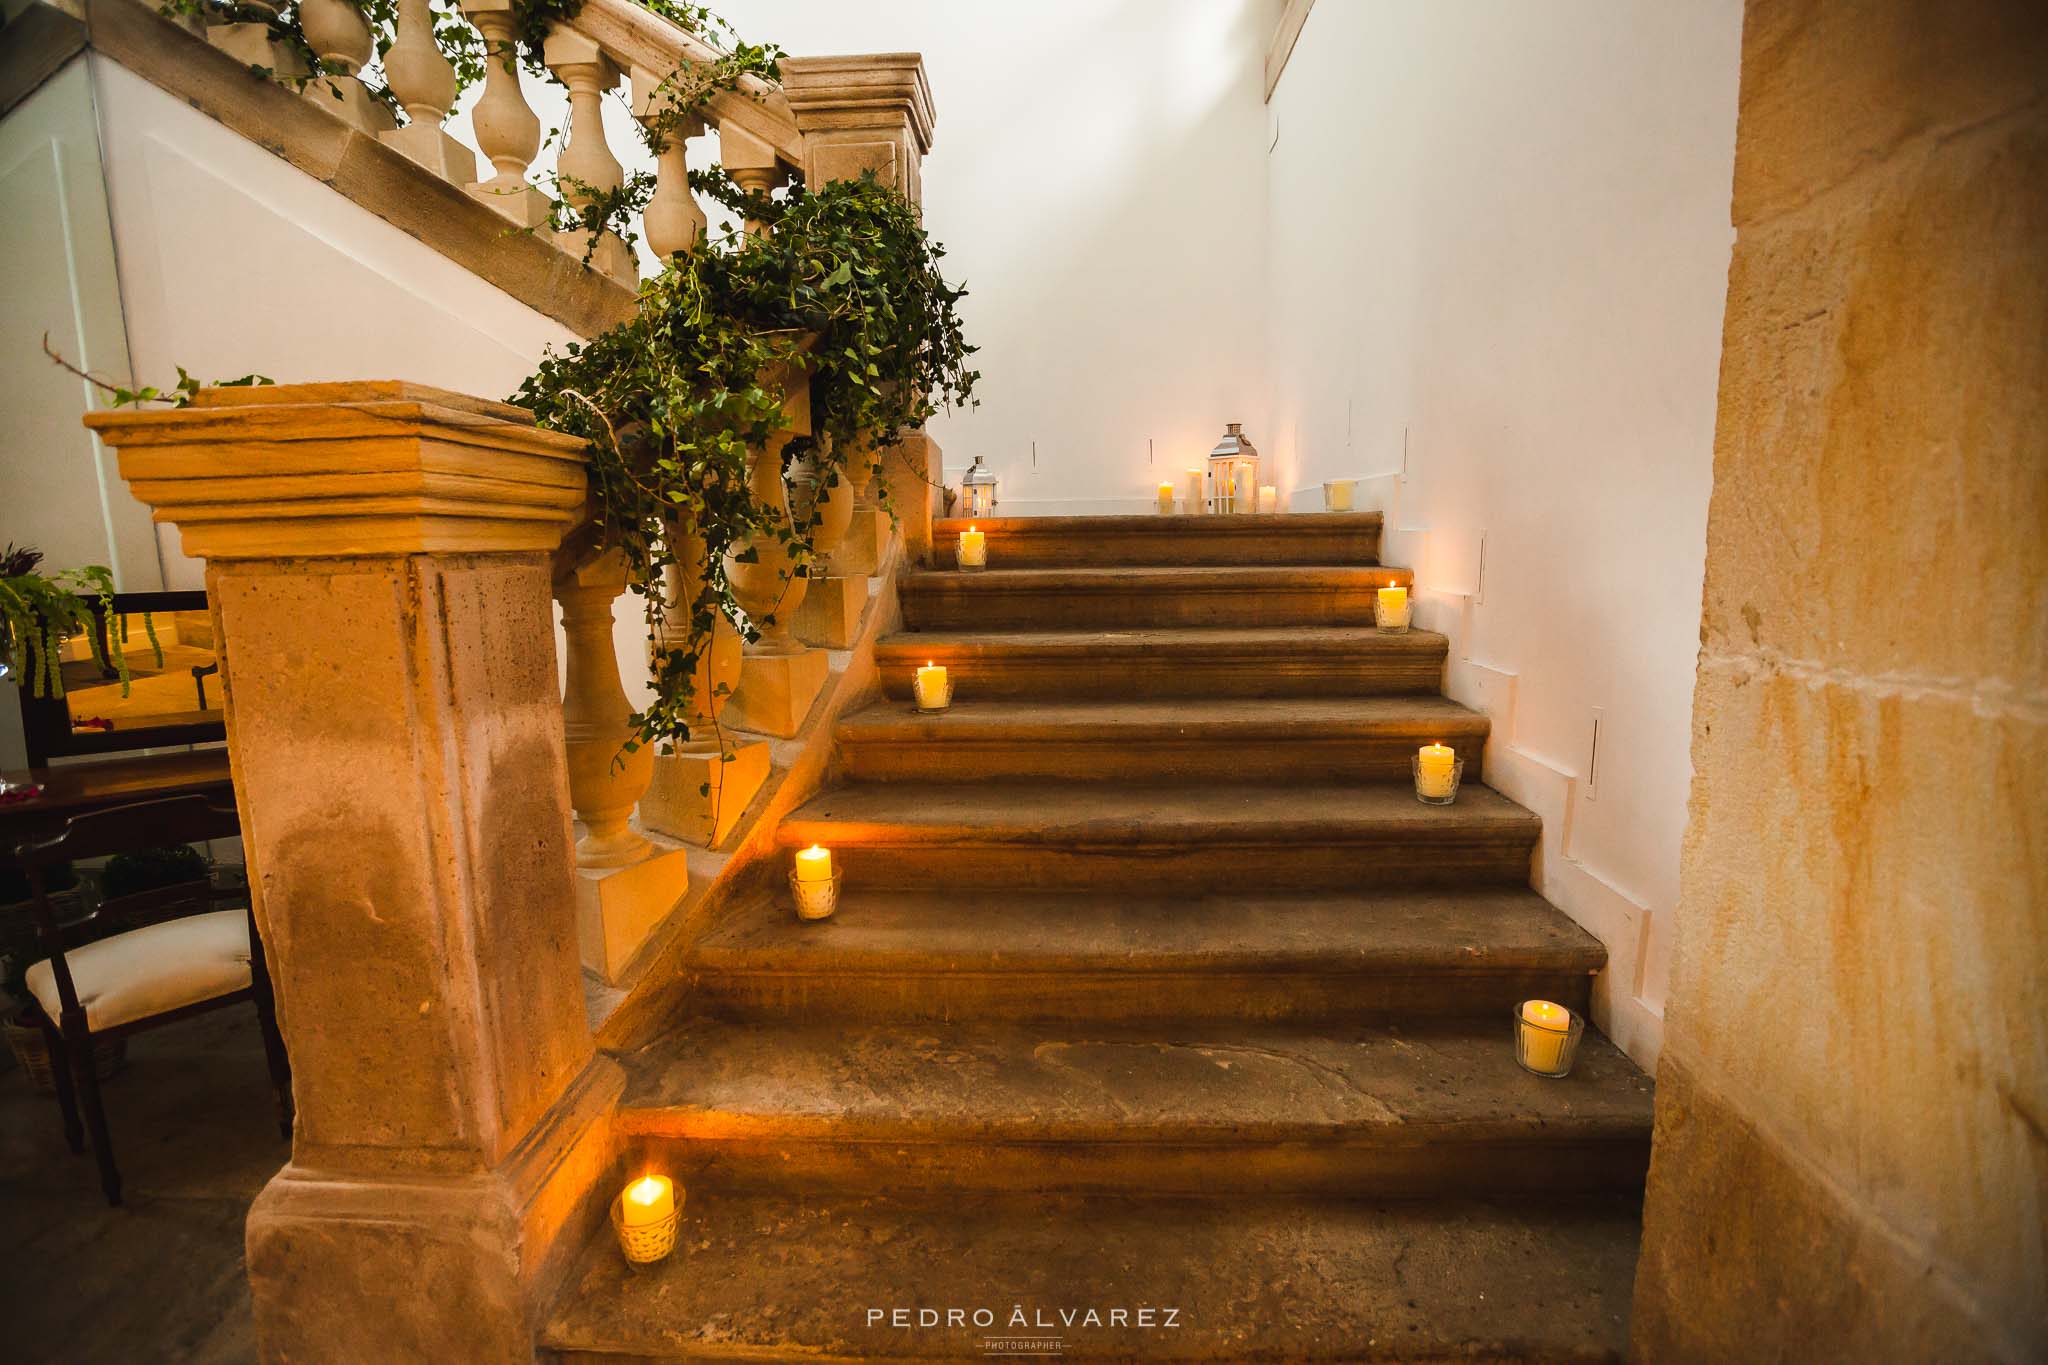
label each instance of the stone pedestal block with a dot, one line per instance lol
(430, 145)
(381, 594)
(830, 615)
(777, 691)
(619, 908)
(698, 798)
(859, 554)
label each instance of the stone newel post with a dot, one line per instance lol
(377, 556)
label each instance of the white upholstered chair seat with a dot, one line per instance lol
(152, 970)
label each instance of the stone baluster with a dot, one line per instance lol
(625, 885)
(752, 164)
(586, 166)
(700, 791)
(394, 727)
(604, 783)
(673, 220)
(340, 38)
(507, 129)
(424, 81)
(780, 676)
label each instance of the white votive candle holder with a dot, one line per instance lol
(1391, 609)
(931, 689)
(645, 1216)
(973, 554)
(1547, 1037)
(1437, 769)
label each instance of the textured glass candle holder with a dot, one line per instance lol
(646, 1243)
(1545, 1051)
(1393, 620)
(1431, 791)
(941, 702)
(815, 899)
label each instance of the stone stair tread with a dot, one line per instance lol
(1179, 640)
(1070, 813)
(1262, 524)
(1129, 720)
(986, 931)
(762, 1275)
(1051, 1082)
(1157, 577)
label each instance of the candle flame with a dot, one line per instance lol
(815, 849)
(970, 526)
(645, 1190)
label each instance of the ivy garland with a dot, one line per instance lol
(847, 286)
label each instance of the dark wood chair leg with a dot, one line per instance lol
(273, 1040)
(60, 1074)
(79, 1042)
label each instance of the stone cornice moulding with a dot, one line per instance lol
(349, 470)
(862, 91)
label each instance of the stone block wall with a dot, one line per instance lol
(1851, 1154)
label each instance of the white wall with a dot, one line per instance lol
(1499, 249)
(1096, 179)
(233, 261)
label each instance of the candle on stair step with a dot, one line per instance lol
(1269, 497)
(973, 549)
(1546, 1037)
(1436, 768)
(1391, 610)
(814, 864)
(1165, 499)
(645, 1219)
(1197, 503)
(930, 687)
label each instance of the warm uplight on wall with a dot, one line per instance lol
(645, 1216)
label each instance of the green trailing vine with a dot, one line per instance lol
(38, 612)
(847, 287)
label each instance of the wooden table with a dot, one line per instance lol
(98, 784)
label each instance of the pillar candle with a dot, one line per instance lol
(930, 685)
(1165, 499)
(1435, 770)
(1269, 498)
(814, 864)
(973, 548)
(1197, 503)
(1245, 497)
(650, 1199)
(1393, 606)
(1544, 1029)
(1337, 495)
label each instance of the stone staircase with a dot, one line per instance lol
(1153, 987)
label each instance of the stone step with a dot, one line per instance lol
(765, 1276)
(1259, 958)
(1107, 542)
(1417, 1109)
(1289, 739)
(1136, 598)
(1190, 663)
(1159, 840)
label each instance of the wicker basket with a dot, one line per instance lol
(650, 1242)
(32, 1050)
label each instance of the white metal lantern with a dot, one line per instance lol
(1234, 473)
(978, 486)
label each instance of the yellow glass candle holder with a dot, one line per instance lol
(931, 689)
(1437, 770)
(1547, 1037)
(645, 1216)
(1391, 610)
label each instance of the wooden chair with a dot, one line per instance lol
(181, 958)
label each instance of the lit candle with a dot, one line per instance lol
(814, 864)
(931, 688)
(1393, 612)
(1435, 771)
(1197, 504)
(973, 549)
(1269, 497)
(1244, 497)
(648, 1200)
(1165, 499)
(1545, 1027)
